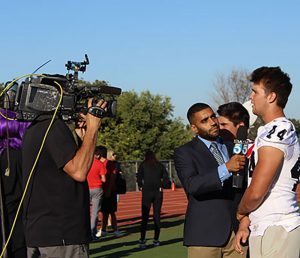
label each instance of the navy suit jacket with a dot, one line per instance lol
(211, 209)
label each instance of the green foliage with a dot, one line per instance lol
(95, 83)
(253, 129)
(296, 123)
(144, 121)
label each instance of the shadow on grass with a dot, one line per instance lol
(125, 253)
(137, 219)
(135, 228)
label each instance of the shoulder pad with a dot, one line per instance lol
(280, 131)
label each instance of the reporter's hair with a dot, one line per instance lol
(194, 109)
(101, 151)
(11, 131)
(235, 112)
(274, 80)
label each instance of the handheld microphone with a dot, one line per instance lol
(240, 143)
(240, 147)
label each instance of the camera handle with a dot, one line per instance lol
(97, 111)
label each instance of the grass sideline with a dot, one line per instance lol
(127, 245)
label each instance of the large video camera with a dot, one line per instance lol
(39, 95)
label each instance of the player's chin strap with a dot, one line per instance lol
(97, 111)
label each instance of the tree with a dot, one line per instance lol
(296, 123)
(234, 87)
(1, 87)
(143, 121)
(95, 83)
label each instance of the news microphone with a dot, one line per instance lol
(240, 143)
(241, 148)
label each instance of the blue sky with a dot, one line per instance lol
(172, 48)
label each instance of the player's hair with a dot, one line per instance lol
(274, 80)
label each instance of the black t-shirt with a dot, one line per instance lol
(56, 207)
(150, 176)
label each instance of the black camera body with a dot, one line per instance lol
(40, 95)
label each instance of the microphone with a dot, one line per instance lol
(241, 148)
(240, 143)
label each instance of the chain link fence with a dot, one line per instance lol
(130, 169)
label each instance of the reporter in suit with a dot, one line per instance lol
(204, 168)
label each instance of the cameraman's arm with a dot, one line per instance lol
(79, 166)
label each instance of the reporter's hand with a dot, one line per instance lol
(236, 163)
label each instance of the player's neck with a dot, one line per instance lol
(270, 115)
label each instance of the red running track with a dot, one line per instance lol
(174, 204)
(129, 206)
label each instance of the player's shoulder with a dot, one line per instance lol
(280, 130)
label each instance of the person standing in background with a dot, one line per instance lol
(109, 205)
(96, 178)
(11, 134)
(112, 157)
(232, 116)
(150, 177)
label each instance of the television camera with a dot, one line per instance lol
(41, 94)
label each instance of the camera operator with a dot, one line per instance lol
(56, 207)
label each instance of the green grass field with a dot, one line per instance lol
(127, 245)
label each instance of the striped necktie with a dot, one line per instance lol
(217, 154)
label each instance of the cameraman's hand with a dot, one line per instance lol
(87, 128)
(93, 122)
(236, 163)
(80, 127)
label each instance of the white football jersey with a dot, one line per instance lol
(280, 207)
